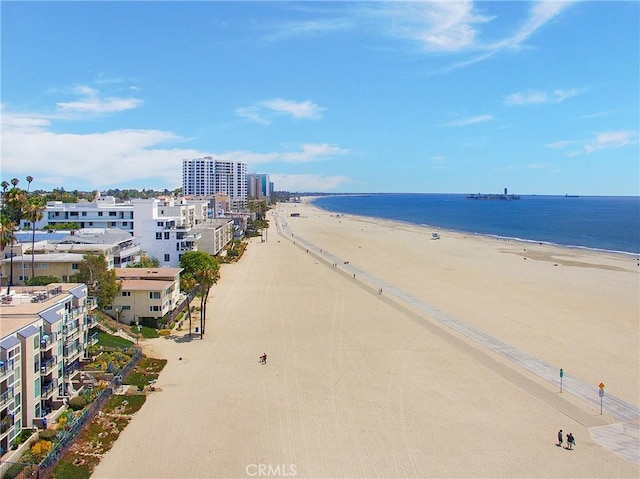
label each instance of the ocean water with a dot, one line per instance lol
(595, 222)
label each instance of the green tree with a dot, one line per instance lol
(42, 280)
(34, 212)
(145, 262)
(101, 281)
(13, 201)
(202, 269)
(71, 225)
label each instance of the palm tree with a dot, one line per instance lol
(34, 210)
(7, 227)
(207, 278)
(13, 204)
(201, 269)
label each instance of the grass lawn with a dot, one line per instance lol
(145, 371)
(109, 340)
(147, 332)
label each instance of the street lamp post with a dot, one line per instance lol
(117, 315)
(137, 330)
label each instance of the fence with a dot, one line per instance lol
(29, 471)
(182, 306)
(67, 437)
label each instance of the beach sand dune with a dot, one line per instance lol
(358, 386)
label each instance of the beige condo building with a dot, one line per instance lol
(44, 336)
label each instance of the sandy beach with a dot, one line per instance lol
(361, 383)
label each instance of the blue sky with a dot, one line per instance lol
(458, 97)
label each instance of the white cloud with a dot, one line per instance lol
(96, 160)
(602, 141)
(91, 102)
(251, 113)
(533, 97)
(262, 112)
(613, 139)
(303, 109)
(469, 121)
(301, 183)
(437, 26)
(309, 28)
(309, 152)
(561, 144)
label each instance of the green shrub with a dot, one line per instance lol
(77, 403)
(47, 435)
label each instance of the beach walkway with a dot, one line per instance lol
(622, 437)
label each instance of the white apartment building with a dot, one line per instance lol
(165, 227)
(103, 212)
(44, 334)
(206, 176)
(162, 227)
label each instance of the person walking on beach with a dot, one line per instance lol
(559, 438)
(570, 441)
(263, 358)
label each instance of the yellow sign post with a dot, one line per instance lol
(601, 392)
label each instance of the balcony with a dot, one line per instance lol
(47, 390)
(5, 369)
(71, 353)
(129, 251)
(92, 304)
(49, 365)
(47, 341)
(5, 397)
(93, 339)
(91, 320)
(6, 423)
(71, 331)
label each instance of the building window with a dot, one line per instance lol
(99, 213)
(43, 266)
(166, 235)
(155, 309)
(37, 392)
(113, 213)
(154, 295)
(36, 362)
(75, 266)
(126, 293)
(167, 258)
(159, 236)
(160, 223)
(126, 308)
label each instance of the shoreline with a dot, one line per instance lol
(311, 201)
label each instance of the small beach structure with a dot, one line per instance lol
(435, 236)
